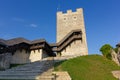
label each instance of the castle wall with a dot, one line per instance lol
(44, 55)
(66, 22)
(75, 48)
(5, 61)
(20, 57)
(37, 55)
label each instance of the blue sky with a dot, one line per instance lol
(35, 19)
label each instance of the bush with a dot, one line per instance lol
(106, 51)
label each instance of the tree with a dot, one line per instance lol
(106, 51)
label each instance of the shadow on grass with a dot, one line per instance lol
(57, 65)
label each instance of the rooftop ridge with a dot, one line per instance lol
(19, 40)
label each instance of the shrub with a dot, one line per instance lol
(106, 51)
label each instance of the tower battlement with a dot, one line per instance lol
(79, 10)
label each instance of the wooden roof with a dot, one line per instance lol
(2, 44)
(19, 40)
(71, 36)
(41, 43)
(38, 41)
(22, 43)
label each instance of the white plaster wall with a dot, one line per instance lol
(35, 55)
(75, 48)
(20, 57)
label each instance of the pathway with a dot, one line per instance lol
(39, 70)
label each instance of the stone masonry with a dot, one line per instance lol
(5, 61)
(66, 22)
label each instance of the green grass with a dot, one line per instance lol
(91, 67)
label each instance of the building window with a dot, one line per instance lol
(64, 18)
(75, 18)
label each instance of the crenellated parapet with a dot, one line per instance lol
(79, 10)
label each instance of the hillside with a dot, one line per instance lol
(91, 67)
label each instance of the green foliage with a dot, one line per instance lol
(106, 50)
(91, 67)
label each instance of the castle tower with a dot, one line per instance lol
(66, 22)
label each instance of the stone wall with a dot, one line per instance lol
(75, 48)
(5, 61)
(66, 22)
(114, 57)
(36, 55)
(44, 55)
(20, 57)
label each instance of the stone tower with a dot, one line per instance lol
(66, 22)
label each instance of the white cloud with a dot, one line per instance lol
(33, 25)
(18, 19)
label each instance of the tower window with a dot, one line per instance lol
(64, 18)
(74, 17)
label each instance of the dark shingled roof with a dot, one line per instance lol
(3, 42)
(17, 41)
(65, 38)
(13, 44)
(53, 44)
(38, 41)
(69, 34)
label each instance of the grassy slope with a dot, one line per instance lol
(92, 67)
